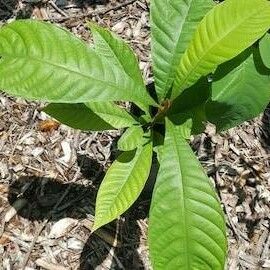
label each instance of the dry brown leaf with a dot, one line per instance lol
(48, 125)
(4, 240)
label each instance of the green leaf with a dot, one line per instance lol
(194, 96)
(186, 225)
(93, 116)
(186, 123)
(123, 184)
(240, 91)
(158, 141)
(265, 49)
(227, 30)
(112, 114)
(116, 51)
(188, 109)
(41, 61)
(131, 139)
(192, 122)
(172, 26)
(77, 116)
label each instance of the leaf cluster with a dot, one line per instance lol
(211, 63)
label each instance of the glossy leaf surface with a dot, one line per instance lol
(189, 107)
(173, 24)
(240, 91)
(186, 226)
(265, 49)
(131, 139)
(123, 184)
(42, 61)
(112, 114)
(116, 51)
(95, 116)
(227, 30)
(191, 122)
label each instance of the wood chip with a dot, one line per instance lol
(62, 227)
(17, 206)
(50, 266)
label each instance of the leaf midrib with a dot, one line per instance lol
(59, 66)
(127, 178)
(172, 71)
(118, 60)
(213, 46)
(182, 192)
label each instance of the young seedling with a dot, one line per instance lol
(211, 63)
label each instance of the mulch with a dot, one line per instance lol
(49, 173)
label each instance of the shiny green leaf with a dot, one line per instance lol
(186, 124)
(41, 61)
(112, 114)
(95, 116)
(172, 26)
(240, 91)
(116, 51)
(186, 226)
(265, 49)
(77, 116)
(123, 184)
(131, 138)
(227, 30)
(188, 109)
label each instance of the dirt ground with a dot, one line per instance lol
(49, 178)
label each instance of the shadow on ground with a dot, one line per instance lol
(41, 194)
(265, 129)
(7, 8)
(126, 252)
(80, 3)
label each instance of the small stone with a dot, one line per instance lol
(18, 168)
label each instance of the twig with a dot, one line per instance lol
(92, 13)
(59, 10)
(37, 233)
(49, 266)
(15, 145)
(2, 228)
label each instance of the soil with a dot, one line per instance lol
(49, 173)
